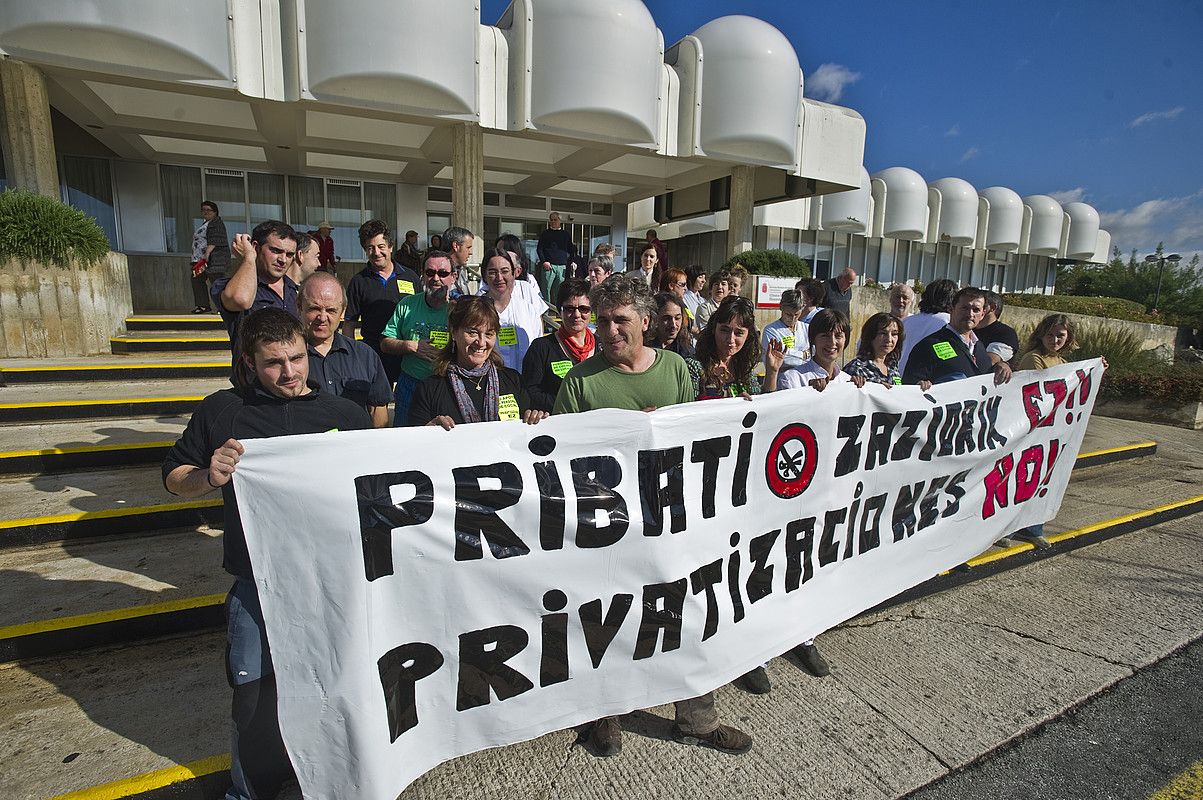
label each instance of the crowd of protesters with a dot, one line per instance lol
(558, 335)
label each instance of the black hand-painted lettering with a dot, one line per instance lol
(379, 515)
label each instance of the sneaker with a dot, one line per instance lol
(724, 738)
(812, 660)
(1037, 540)
(606, 737)
(756, 681)
(200, 310)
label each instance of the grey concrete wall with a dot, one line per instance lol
(1158, 338)
(50, 311)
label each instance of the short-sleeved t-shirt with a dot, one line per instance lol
(796, 342)
(352, 370)
(413, 320)
(594, 384)
(254, 414)
(375, 299)
(800, 377)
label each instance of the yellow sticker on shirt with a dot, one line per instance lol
(405, 287)
(593, 319)
(561, 368)
(507, 407)
(507, 336)
(439, 338)
(787, 342)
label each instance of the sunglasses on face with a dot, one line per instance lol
(582, 310)
(441, 273)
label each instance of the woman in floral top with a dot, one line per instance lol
(728, 351)
(877, 357)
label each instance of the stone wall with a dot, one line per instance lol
(51, 311)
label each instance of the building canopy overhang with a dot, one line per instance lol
(576, 99)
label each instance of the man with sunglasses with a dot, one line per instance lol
(550, 357)
(419, 330)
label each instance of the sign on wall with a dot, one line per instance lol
(431, 593)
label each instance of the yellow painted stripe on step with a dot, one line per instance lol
(181, 318)
(127, 339)
(1060, 537)
(113, 615)
(96, 448)
(1121, 449)
(1186, 785)
(61, 403)
(150, 781)
(108, 513)
(91, 367)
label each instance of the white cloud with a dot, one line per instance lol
(1068, 195)
(1176, 221)
(955, 130)
(828, 82)
(1153, 116)
(972, 152)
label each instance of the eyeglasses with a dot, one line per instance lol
(582, 310)
(680, 283)
(442, 273)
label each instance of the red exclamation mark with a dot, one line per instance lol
(1054, 450)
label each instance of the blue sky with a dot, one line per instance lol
(1094, 100)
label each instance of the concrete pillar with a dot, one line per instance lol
(26, 136)
(411, 211)
(468, 182)
(618, 232)
(739, 227)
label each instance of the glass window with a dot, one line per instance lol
(380, 202)
(569, 206)
(306, 203)
(822, 263)
(603, 209)
(438, 194)
(856, 255)
(436, 224)
(492, 198)
(266, 194)
(229, 192)
(874, 268)
(598, 234)
(90, 189)
(525, 201)
(492, 231)
(181, 192)
(344, 210)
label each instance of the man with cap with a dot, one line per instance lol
(325, 243)
(409, 255)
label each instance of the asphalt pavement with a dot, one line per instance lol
(1133, 741)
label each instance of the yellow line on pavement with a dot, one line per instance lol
(1120, 449)
(113, 615)
(1111, 523)
(1187, 785)
(92, 367)
(151, 780)
(61, 403)
(108, 513)
(95, 448)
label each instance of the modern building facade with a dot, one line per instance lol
(415, 112)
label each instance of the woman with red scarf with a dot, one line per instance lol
(550, 357)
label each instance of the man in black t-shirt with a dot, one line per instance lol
(1000, 339)
(278, 401)
(373, 293)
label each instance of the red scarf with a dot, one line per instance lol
(578, 352)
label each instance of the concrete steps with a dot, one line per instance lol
(75, 401)
(81, 444)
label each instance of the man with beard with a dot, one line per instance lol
(339, 364)
(418, 330)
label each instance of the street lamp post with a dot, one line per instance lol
(1173, 258)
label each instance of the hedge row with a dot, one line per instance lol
(1166, 385)
(774, 263)
(38, 228)
(1109, 307)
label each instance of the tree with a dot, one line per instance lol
(1136, 279)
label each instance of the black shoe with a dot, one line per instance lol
(606, 737)
(200, 310)
(724, 738)
(812, 660)
(756, 681)
(1034, 539)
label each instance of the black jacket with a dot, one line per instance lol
(943, 356)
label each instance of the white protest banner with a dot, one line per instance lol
(431, 593)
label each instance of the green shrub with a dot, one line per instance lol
(1163, 385)
(34, 227)
(1122, 349)
(774, 263)
(1109, 307)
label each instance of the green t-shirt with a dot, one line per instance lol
(593, 384)
(413, 320)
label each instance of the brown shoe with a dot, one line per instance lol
(606, 737)
(724, 738)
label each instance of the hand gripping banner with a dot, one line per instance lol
(431, 593)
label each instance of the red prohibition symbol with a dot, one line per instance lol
(792, 459)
